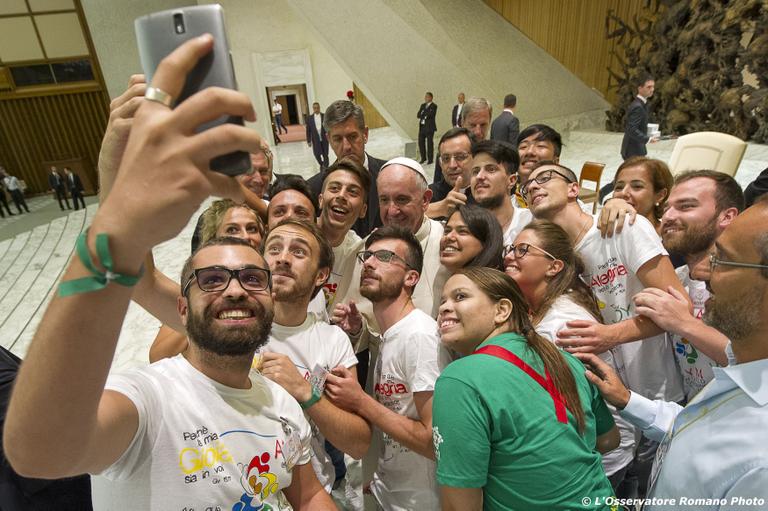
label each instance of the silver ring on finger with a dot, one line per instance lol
(159, 96)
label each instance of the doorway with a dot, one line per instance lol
(293, 100)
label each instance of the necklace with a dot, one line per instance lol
(586, 226)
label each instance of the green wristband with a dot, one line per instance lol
(98, 280)
(316, 395)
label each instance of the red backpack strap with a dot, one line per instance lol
(547, 384)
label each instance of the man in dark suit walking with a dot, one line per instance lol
(75, 187)
(456, 113)
(56, 182)
(506, 127)
(316, 137)
(636, 127)
(427, 128)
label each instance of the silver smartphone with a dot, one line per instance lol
(159, 33)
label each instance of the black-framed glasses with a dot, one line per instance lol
(542, 178)
(385, 256)
(217, 278)
(714, 262)
(459, 157)
(521, 249)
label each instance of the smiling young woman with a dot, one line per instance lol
(516, 423)
(471, 237)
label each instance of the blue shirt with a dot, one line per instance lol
(716, 447)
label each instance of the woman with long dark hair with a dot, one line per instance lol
(472, 237)
(548, 270)
(645, 184)
(516, 423)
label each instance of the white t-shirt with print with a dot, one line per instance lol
(562, 310)
(340, 278)
(409, 361)
(611, 266)
(520, 219)
(307, 345)
(201, 445)
(695, 366)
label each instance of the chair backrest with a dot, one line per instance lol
(591, 171)
(707, 150)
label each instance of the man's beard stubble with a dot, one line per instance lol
(385, 291)
(233, 341)
(693, 240)
(494, 202)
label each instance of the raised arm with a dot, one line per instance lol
(59, 411)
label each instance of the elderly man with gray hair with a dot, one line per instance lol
(476, 117)
(347, 134)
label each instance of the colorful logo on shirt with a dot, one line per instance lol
(686, 350)
(258, 483)
(608, 276)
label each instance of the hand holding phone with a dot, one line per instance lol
(160, 33)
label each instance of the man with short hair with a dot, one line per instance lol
(426, 116)
(301, 346)
(701, 205)
(616, 269)
(344, 200)
(455, 153)
(13, 186)
(494, 174)
(636, 127)
(537, 143)
(277, 112)
(506, 126)
(407, 368)
(148, 430)
(316, 137)
(476, 117)
(456, 113)
(291, 197)
(75, 187)
(56, 182)
(713, 450)
(348, 134)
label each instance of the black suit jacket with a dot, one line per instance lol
(74, 184)
(455, 116)
(372, 219)
(506, 128)
(312, 136)
(756, 188)
(636, 130)
(55, 183)
(426, 117)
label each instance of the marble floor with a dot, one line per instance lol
(32, 261)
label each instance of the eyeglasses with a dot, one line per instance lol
(521, 249)
(714, 261)
(385, 256)
(217, 278)
(542, 178)
(459, 157)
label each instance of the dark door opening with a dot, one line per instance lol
(293, 109)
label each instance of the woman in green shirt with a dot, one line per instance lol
(516, 424)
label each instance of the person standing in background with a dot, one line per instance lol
(277, 111)
(316, 137)
(56, 182)
(456, 113)
(75, 187)
(506, 127)
(427, 128)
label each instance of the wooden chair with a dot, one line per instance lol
(591, 171)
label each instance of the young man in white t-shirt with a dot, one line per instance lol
(700, 206)
(494, 174)
(406, 370)
(343, 201)
(616, 269)
(61, 421)
(301, 346)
